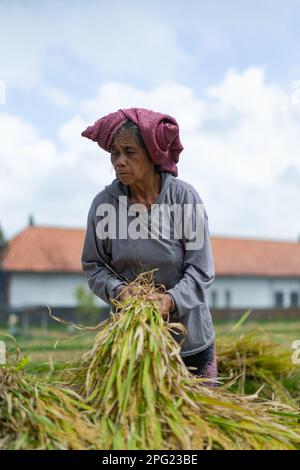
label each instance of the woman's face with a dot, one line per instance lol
(130, 161)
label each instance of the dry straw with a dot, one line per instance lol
(131, 390)
(37, 415)
(256, 359)
(147, 399)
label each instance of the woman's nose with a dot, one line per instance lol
(121, 160)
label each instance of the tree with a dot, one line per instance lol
(3, 243)
(86, 310)
(3, 240)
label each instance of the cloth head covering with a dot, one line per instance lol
(160, 134)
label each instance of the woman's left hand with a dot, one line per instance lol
(164, 303)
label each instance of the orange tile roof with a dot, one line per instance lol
(254, 257)
(40, 249)
(52, 249)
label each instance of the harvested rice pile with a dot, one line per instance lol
(256, 360)
(36, 415)
(146, 398)
(132, 391)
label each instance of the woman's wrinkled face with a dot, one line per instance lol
(130, 161)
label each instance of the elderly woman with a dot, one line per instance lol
(144, 146)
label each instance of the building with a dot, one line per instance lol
(253, 273)
(42, 267)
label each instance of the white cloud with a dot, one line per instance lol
(54, 182)
(56, 95)
(25, 156)
(168, 97)
(123, 40)
(242, 127)
(241, 140)
(26, 159)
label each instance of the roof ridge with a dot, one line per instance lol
(219, 237)
(253, 239)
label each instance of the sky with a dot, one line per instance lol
(228, 71)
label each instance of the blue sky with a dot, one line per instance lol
(227, 70)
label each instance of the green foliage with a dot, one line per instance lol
(131, 390)
(86, 310)
(3, 240)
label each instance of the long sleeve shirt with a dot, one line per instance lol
(186, 273)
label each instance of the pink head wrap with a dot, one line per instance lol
(160, 134)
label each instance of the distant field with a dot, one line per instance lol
(40, 348)
(282, 332)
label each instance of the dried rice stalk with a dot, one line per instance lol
(147, 399)
(255, 359)
(36, 415)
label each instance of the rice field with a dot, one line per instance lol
(124, 386)
(40, 348)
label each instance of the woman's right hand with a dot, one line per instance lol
(125, 292)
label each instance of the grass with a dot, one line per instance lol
(40, 348)
(283, 332)
(37, 415)
(126, 387)
(255, 359)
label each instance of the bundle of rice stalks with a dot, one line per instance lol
(256, 359)
(147, 399)
(35, 415)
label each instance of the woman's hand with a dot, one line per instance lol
(164, 303)
(125, 292)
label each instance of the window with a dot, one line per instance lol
(228, 298)
(214, 298)
(294, 299)
(279, 299)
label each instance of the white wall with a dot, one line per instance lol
(247, 292)
(46, 289)
(59, 290)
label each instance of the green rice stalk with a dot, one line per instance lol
(36, 415)
(256, 359)
(146, 398)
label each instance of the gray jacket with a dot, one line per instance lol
(185, 273)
